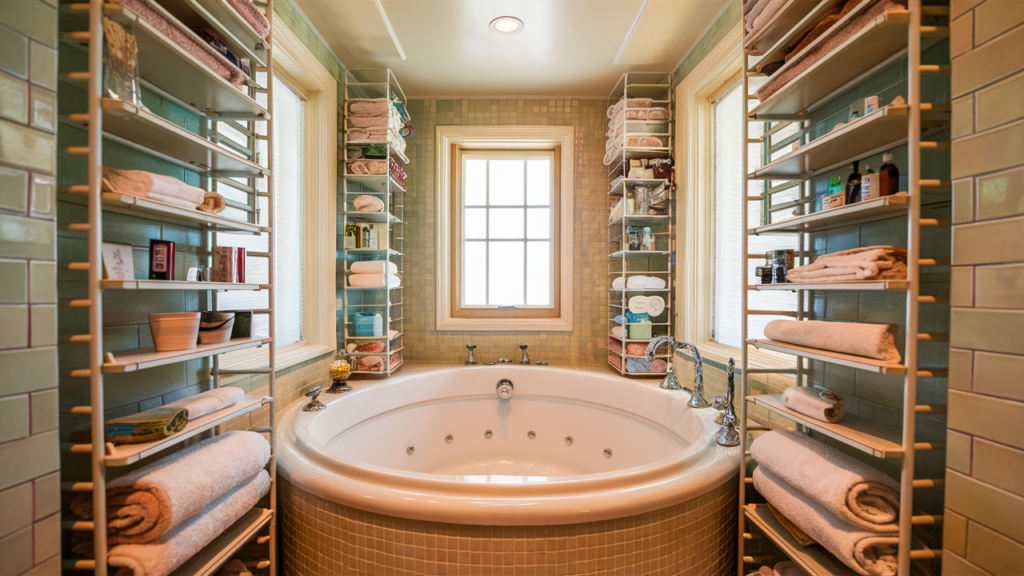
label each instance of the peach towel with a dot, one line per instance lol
(368, 167)
(208, 402)
(373, 267)
(373, 281)
(876, 341)
(367, 203)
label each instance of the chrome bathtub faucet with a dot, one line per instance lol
(314, 405)
(471, 361)
(727, 435)
(671, 382)
(504, 390)
(526, 357)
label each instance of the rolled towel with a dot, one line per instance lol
(373, 267)
(614, 346)
(373, 281)
(876, 341)
(177, 202)
(213, 203)
(619, 283)
(628, 103)
(851, 490)
(617, 331)
(163, 555)
(151, 501)
(146, 426)
(367, 203)
(368, 167)
(658, 365)
(208, 402)
(650, 282)
(145, 184)
(868, 553)
(870, 262)
(823, 405)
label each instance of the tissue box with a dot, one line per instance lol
(368, 324)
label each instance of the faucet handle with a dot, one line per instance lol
(524, 346)
(471, 361)
(314, 405)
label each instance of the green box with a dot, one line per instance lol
(640, 331)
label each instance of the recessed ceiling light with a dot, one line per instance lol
(506, 25)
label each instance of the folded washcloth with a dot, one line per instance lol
(208, 402)
(868, 553)
(367, 203)
(823, 405)
(374, 281)
(146, 184)
(876, 341)
(161, 556)
(853, 491)
(146, 426)
(373, 267)
(368, 167)
(870, 262)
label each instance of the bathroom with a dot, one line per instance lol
(707, 287)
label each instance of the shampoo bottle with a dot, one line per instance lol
(889, 176)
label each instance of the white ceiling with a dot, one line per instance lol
(566, 47)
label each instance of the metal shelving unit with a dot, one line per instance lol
(362, 84)
(883, 41)
(168, 70)
(659, 262)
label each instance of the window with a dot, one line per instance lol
(729, 273)
(289, 191)
(505, 242)
(504, 228)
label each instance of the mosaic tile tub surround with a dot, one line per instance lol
(320, 537)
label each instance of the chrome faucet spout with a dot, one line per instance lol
(697, 399)
(727, 435)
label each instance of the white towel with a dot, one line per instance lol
(851, 490)
(617, 331)
(162, 556)
(868, 553)
(876, 341)
(823, 405)
(373, 267)
(649, 282)
(373, 281)
(631, 103)
(209, 402)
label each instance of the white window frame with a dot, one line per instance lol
(695, 223)
(502, 138)
(305, 74)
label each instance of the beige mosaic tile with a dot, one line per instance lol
(320, 537)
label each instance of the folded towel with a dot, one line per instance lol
(876, 341)
(868, 553)
(369, 347)
(149, 502)
(374, 281)
(630, 103)
(617, 331)
(755, 11)
(640, 114)
(373, 267)
(770, 9)
(372, 107)
(638, 365)
(144, 184)
(370, 364)
(367, 203)
(373, 134)
(823, 405)
(869, 262)
(636, 348)
(176, 32)
(208, 402)
(163, 555)
(213, 203)
(368, 167)
(650, 282)
(644, 142)
(615, 361)
(614, 346)
(252, 16)
(788, 568)
(146, 426)
(370, 121)
(853, 491)
(233, 567)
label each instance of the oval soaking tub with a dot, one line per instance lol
(577, 472)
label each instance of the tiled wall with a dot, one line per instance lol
(587, 343)
(29, 482)
(984, 532)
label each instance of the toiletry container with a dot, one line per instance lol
(853, 185)
(215, 327)
(174, 330)
(368, 324)
(889, 176)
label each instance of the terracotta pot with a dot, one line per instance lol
(174, 330)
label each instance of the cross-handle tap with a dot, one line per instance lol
(727, 435)
(471, 361)
(526, 357)
(697, 399)
(314, 405)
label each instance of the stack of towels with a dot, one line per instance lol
(374, 274)
(161, 188)
(373, 121)
(631, 109)
(160, 515)
(757, 13)
(867, 263)
(843, 504)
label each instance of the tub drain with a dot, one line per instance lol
(488, 434)
(607, 452)
(531, 434)
(449, 438)
(410, 450)
(568, 440)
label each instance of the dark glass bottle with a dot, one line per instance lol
(888, 176)
(853, 185)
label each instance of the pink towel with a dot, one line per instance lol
(636, 348)
(370, 347)
(368, 167)
(614, 346)
(373, 267)
(374, 281)
(876, 341)
(369, 121)
(252, 16)
(615, 360)
(367, 203)
(374, 107)
(659, 365)
(370, 364)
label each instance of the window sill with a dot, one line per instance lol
(503, 324)
(757, 359)
(287, 356)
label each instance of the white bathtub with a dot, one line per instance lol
(356, 452)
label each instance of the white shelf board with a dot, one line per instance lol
(373, 287)
(640, 219)
(812, 559)
(883, 37)
(374, 251)
(882, 129)
(375, 337)
(375, 182)
(380, 217)
(858, 213)
(860, 433)
(849, 360)
(857, 285)
(639, 290)
(792, 20)
(125, 454)
(175, 285)
(639, 254)
(208, 561)
(172, 69)
(143, 358)
(146, 208)
(616, 190)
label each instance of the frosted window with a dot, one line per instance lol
(289, 184)
(730, 272)
(507, 252)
